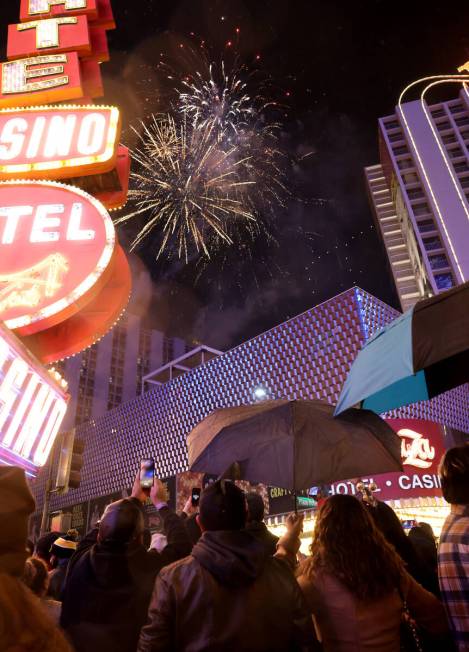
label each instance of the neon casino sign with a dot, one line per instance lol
(33, 403)
(64, 279)
(58, 142)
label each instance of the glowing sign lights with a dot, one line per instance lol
(51, 78)
(63, 141)
(64, 281)
(56, 242)
(32, 406)
(64, 34)
(45, 8)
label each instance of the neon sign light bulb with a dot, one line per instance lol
(11, 385)
(20, 412)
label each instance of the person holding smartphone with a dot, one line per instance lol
(111, 575)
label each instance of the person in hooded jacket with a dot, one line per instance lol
(111, 576)
(230, 593)
(255, 522)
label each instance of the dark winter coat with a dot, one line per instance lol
(107, 591)
(261, 532)
(228, 595)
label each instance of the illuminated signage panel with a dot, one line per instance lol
(58, 141)
(32, 406)
(38, 9)
(56, 243)
(422, 448)
(40, 80)
(65, 34)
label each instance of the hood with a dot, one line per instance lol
(112, 568)
(234, 558)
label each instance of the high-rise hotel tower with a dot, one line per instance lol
(420, 193)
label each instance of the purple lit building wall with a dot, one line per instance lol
(419, 193)
(306, 357)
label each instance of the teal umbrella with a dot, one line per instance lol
(420, 355)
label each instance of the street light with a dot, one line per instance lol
(260, 393)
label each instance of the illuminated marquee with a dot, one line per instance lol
(41, 80)
(64, 280)
(48, 8)
(422, 447)
(60, 142)
(32, 406)
(64, 34)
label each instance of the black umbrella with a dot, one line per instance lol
(294, 444)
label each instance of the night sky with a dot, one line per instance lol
(337, 67)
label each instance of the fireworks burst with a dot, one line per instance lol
(194, 191)
(211, 174)
(225, 105)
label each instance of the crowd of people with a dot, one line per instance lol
(218, 580)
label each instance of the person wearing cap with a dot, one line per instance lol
(230, 593)
(24, 625)
(255, 522)
(111, 575)
(43, 547)
(61, 552)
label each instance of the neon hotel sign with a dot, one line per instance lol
(63, 278)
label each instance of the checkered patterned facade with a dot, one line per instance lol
(304, 358)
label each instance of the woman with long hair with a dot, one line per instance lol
(355, 583)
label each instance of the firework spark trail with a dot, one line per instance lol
(189, 187)
(212, 174)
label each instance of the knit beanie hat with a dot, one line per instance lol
(64, 546)
(16, 504)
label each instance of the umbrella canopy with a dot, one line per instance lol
(422, 354)
(294, 444)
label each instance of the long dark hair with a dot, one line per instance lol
(347, 544)
(388, 523)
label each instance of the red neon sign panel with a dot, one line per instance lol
(56, 243)
(39, 80)
(63, 142)
(36, 9)
(65, 34)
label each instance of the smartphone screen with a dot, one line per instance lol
(147, 473)
(196, 496)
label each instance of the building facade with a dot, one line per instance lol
(307, 357)
(111, 371)
(420, 195)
